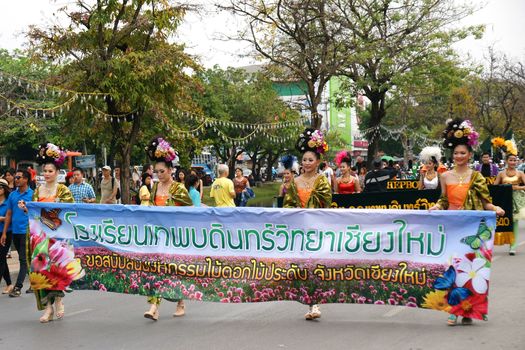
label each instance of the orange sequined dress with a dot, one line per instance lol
(304, 195)
(457, 193)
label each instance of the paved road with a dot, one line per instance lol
(97, 320)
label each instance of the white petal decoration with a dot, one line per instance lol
(465, 265)
(479, 284)
(484, 272)
(478, 264)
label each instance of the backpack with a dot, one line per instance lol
(117, 196)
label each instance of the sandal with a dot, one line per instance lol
(452, 320)
(59, 305)
(152, 313)
(48, 314)
(467, 321)
(8, 289)
(315, 312)
(180, 310)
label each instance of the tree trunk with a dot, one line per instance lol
(377, 102)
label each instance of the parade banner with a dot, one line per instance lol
(439, 260)
(422, 200)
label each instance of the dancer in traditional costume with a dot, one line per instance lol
(311, 189)
(461, 187)
(288, 174)
(165, 192)
(516, 178)
(346, 183)
(52, 262)
(429, 179)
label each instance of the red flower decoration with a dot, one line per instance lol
(475, 306)
(58, 276)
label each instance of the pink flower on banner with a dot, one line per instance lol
(60, 254)
(474, 271)
(39, 262)
(198, 295)
(411, 304)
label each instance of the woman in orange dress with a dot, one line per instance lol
(311, 189)
(50, 298)
(346, 183)
(165, 192)
(463, 188)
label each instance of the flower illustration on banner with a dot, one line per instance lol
(437, 300)
(475, 306)
(463, 287)
(53, 262)
(39, 281)
(474, 271)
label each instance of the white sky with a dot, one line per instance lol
(504, 19)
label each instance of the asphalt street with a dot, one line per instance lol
(96, 320)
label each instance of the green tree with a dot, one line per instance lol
(392, 39)
(298, 38)
(121, 48)
(22, 129)
(237, 98)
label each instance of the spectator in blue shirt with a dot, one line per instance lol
(17, 218)
(191, 182)
(81, 191)
(4, 247)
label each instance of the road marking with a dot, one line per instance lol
(78, 312)
(394, 311)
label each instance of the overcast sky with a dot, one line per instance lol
(504, 19)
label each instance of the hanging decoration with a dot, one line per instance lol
(385, 133)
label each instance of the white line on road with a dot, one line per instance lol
(78, 312)
(394, 311)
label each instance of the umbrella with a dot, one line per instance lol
(387, 158)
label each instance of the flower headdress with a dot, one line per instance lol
(507, 146)
(459, 132)
(312, 140)
(343, 156)
(50, 153)
(159, 150)
(432, 153)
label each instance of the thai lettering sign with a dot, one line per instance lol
(439, 260)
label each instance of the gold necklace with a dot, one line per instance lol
(461, 178)
(162, 189)
(308, 184)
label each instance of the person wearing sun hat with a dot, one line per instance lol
(311, 189)
(462, 188)
(165, 192)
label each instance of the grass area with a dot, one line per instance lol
(263, 195)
